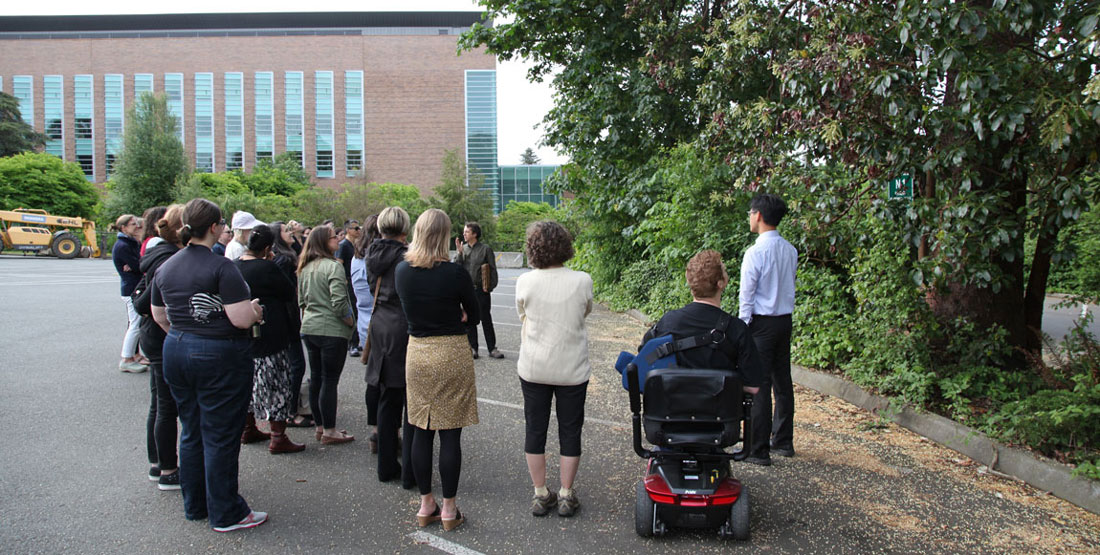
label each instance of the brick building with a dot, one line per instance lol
(380, 92)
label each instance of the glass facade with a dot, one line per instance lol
(114, 114)
(324, 124)
(295, 113)
(173, 87)
(264, 93)
(234, 121)
(22, 87)
(53, 108)
(353, 122)
(524, 184)
(204, 122)
(481, 130)
(83, 123)
(143, 83)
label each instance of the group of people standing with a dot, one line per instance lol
(224, 340)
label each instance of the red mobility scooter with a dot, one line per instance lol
(691, 416)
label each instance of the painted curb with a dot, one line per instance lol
(1042, 473)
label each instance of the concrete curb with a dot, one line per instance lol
(1039, 472)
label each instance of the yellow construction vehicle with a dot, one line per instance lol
(36, 231)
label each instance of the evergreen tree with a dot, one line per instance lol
(15, 135)
(152, 159)
(461, 197)
(529, 158)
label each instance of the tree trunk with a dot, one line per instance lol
(1037, 290)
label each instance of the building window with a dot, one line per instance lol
(113, 118)
(173, 87)
(353, 122)
(481, 130)
(22, 88)
(295, 113)
(234, 121)
(264, 94)
(143, 83)
(204, 122)
(322, 88)
(83, 128)
(525, 184)
(53, 108)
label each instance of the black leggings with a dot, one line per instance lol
(391, 403)
(536, 412)
(326, 363)
(371, 397)
(297, 371)
(160, 427)
(450, 459)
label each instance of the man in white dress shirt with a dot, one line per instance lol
(766, 303)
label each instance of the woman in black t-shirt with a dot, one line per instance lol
(271, 388)
(438, 300)
(202, 302)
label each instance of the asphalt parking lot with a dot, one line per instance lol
(73, 464)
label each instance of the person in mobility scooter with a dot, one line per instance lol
(694, 376)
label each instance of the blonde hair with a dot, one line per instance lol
(429, 244)
(393, 222)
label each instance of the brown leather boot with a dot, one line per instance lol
(251, 433)
(280, 443)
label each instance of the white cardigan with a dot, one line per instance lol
(552, 306)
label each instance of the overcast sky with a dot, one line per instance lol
(520, 105)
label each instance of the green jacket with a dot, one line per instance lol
(473, 257)
(323, 298)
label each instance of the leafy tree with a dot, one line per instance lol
(44, 181)
(529, 158)
(511, 230)
(151, 161)
(459, 194)
(992, 107)
(283, 177)
(315, 205)
(15, 135)
(360, 201)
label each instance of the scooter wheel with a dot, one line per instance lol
(739, 516)
(645, 512)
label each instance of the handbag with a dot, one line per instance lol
(366, 342)
(142, 299)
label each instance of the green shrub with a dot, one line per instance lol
(512, 222)
(824, 334)
(45, 182)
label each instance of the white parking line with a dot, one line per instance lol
(520, 407)
(441, 544)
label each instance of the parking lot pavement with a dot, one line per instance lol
(73, 463)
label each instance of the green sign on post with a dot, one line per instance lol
(901, 187)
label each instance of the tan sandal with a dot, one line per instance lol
(452, 523)
(424, 520)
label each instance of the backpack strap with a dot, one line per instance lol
(715, 339)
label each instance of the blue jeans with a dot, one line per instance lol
(211, 380)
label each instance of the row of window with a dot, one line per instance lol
(204, 110)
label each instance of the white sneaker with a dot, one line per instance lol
(254, 519)
(132, 367)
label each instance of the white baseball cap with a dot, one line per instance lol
(244, 220)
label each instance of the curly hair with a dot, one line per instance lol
(548, 244)
(704, 271)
